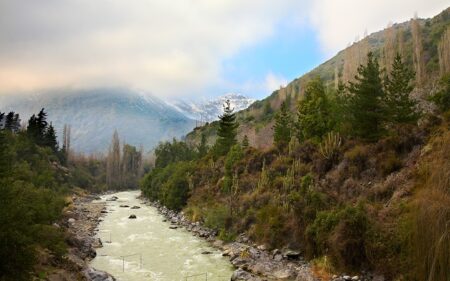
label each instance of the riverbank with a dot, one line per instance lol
(253, 262)
(80, 220)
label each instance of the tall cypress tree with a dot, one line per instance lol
(366, 105)
(282, 127)
(227, 131)
(401, 108)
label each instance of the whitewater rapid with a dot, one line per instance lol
(146, 248)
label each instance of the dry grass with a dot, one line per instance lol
(432, 217)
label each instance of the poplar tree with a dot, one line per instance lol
(227, 131)
(366, 105)
(401, 108)
(282, 127)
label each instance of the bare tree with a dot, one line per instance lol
(418, 50)
(444, 52)
(389, 50)
(66, 141)
(113, 167)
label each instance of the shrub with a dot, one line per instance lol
(357, 158)
(341, 234)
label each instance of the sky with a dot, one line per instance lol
(182, 48)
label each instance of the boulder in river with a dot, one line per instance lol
(206, 253)
(124, 206)
(173, 227)
(135, 207)
(132, 217)
(97, 275)
(114, 198)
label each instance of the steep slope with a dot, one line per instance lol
(95, 114)
(257, 121)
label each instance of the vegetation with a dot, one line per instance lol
(345, 193)
(33, 186)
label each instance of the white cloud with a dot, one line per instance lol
(273, 82)
(340, 22)
(165, 47)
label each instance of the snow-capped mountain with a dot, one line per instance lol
(94, 115)
(210, 110)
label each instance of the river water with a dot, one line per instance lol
(146, 249)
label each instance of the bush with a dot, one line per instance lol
(357, 158)
(341, 235)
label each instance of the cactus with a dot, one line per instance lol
(330, 145)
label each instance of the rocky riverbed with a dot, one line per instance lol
(253, 262)
(80, 220)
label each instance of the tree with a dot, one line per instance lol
(366, 107)
(202, 148)
(442, 98)
(418, 57)
(401, 108)
(282, 127)
(227, 131)
(113, 171)
(314, 112)
(50, 138)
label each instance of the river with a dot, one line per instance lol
(166, 254)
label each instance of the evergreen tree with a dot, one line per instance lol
(314, 112)
(245, 142)
(401, 108)
(9, 122)
(203, 146)
(50, 138)
(42, 124)
(227, 131)
(366, 104)
(33, 128)
(282, 127)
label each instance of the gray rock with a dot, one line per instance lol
(241, 274)
(132, 217)
(173, 227)
(206, 253)
(92, 274)
(135, 207)
(124, 206)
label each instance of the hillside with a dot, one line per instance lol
(356, 183)
(257, 121)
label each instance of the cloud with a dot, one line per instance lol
(165, 47)
(340, 22)
(273, 82)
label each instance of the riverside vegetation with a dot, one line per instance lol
(357, 178)
(37, 179)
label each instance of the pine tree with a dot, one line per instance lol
(401, 108)
(366, 103)
(282, 127)
(314, 112)
(50, 138)
(227, 131)
(33, 129)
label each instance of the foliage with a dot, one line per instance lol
(366, 105)
(314, 113)
(227, 132)
(172, 152)
(282, 128)
(401, 108)
(442, 97)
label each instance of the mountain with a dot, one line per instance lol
(257, 120)
(94, 114)
(209, 110)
